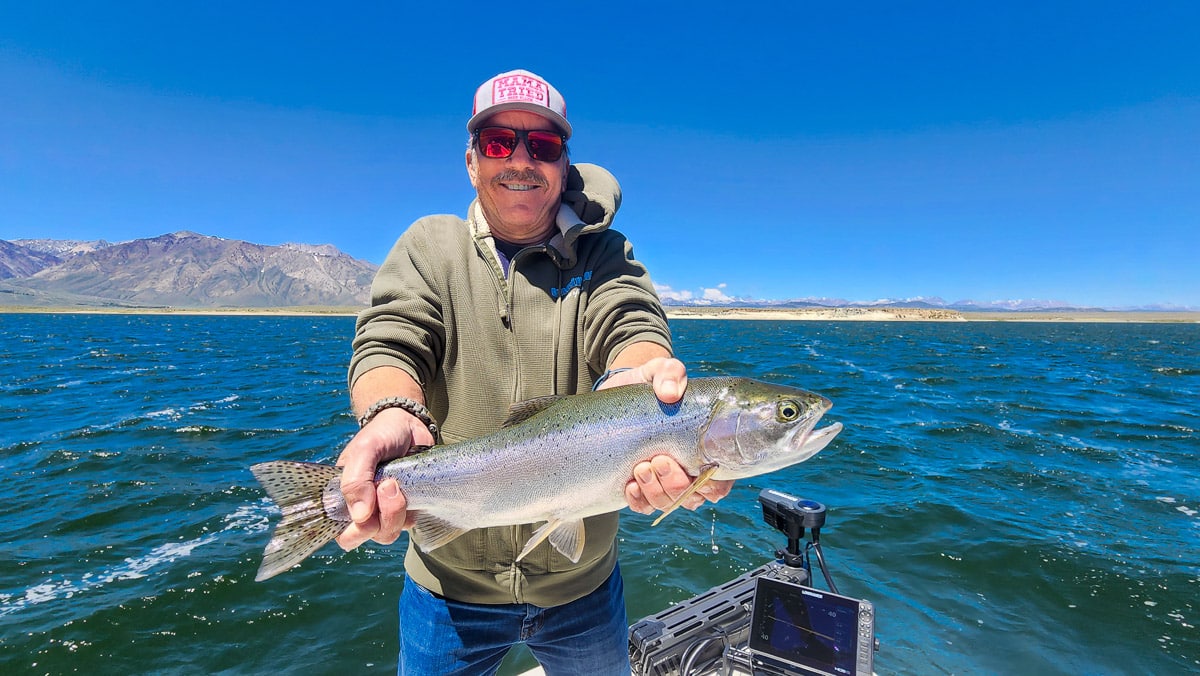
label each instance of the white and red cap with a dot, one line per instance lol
(519, 90)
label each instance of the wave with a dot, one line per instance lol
(249, 518)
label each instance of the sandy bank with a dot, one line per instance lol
(924, 315)
(819, 314)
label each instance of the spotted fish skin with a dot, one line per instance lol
(558, 460)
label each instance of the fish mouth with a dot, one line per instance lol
(816, 440)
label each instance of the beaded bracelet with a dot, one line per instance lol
(412, 406)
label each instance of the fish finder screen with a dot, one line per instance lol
(805, 627)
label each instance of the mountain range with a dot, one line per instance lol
(189, 270)
(180, 270)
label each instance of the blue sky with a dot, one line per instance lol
(962, 150)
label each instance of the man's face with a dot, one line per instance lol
(519, 195)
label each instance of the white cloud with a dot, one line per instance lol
(667, 293)
(701, 296)
(716, 295)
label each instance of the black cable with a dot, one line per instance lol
(816, 547)
(693, 651)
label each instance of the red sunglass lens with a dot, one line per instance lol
(545, 146)
(497, 143)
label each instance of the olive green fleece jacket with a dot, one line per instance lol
(477, 342)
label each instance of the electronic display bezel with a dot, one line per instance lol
(850, 650)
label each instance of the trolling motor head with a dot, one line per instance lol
(791, 515)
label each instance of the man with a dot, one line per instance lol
(531, 295)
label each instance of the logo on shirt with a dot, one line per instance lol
(574, 283)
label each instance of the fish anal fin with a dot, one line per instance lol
(705, 475)
(431, 532)
(524, 410)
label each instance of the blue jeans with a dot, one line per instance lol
(442, 636)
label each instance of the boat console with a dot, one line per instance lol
(769, 621)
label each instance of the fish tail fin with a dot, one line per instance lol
(299, 489)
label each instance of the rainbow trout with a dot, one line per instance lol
(557, 460)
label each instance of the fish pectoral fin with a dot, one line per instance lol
(539, 535)
(565, 536)
(431, 532)
(705, 475)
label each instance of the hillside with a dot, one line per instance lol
(18, 261)
(183, 269)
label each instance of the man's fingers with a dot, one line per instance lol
(668, 377)
(715, 490)
(358, 461)
(668, 390)
(384, 525)
(392, 511)
(360, 499)
(356, 534)
(658, 483)
(637, 502)
(671, 477)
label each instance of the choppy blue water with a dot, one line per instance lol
(1014, 498)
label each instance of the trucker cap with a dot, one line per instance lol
(519, 90)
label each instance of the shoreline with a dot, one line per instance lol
(929, 315)
(685, 313)
(315, 311)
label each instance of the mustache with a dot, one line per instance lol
(521, 176)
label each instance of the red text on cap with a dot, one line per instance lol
(520, 88)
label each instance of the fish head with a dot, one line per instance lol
(755, 428)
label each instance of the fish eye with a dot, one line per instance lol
(787, 411)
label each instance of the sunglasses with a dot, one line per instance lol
(501, 142)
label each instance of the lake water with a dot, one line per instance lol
(1013, 497)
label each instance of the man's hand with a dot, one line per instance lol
(657, 483)
(380, 512)
(667, 375)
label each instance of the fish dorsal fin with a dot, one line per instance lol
(431, 532)
(524, 410)
(565, 536)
